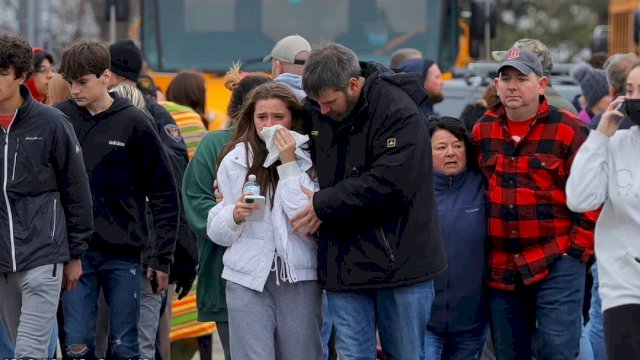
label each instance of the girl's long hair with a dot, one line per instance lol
(255, 147)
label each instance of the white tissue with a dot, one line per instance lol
(274, 154)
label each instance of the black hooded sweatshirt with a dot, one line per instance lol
(126, 162)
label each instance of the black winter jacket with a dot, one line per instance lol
(45, 202)
(126, 162)
(380, 222)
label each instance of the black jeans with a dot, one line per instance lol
(622, 332)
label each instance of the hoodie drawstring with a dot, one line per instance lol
(284, 271)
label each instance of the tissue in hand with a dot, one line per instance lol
(273, 153)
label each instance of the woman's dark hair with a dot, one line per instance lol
(39, 55)
(240, 85)
(188, 89)
(459, 131)
(246, 133)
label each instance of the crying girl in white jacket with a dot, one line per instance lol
(273, 300)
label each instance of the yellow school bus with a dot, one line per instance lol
(624, 20)
(209, 35)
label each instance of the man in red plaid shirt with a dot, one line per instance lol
(538, 248)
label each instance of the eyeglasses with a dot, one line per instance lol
(44, 69)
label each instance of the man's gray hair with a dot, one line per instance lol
(329, 67)
(617, 68)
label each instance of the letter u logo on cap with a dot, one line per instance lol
(513, 54)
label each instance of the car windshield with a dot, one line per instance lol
(210, 34)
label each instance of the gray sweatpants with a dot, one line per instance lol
(28, 308)
(150, 305)
(283, 321)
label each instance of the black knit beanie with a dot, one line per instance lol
(126, 59)
(420, 66)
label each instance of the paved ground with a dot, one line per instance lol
(217, 353)
(181, 353)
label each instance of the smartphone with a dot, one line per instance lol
(257, 214)
(622, 108)
(154, 282)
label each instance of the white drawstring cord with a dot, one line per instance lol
(284, 273)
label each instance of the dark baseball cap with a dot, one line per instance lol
(523, 60)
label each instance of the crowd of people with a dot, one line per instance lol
(386, 229)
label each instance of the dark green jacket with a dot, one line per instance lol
(555, 99)
(198, 197)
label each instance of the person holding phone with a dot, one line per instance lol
(273, 299)
(605, 172)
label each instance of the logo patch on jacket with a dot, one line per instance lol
(116, 143)
(391, 143)
(173, 131)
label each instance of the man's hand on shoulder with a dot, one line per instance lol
(306, 218)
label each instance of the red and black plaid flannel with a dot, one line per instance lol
(529, 224)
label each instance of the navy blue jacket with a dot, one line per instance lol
(627, 123)
(459, 304)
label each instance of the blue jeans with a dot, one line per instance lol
(545, 317)
(462, 345)
(586, 352)
(119, 280)
(400, 314)
(327, 326)
(595, 327)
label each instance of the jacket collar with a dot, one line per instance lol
(27, 105)
(443, 182)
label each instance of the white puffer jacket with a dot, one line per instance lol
(255, 247)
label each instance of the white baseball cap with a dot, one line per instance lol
(287, 48)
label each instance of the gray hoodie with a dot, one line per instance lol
(294, 82)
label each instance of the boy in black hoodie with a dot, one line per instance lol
(126, 163)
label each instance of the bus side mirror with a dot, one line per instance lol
(122, 9)
(600, 39)
(483, 12)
